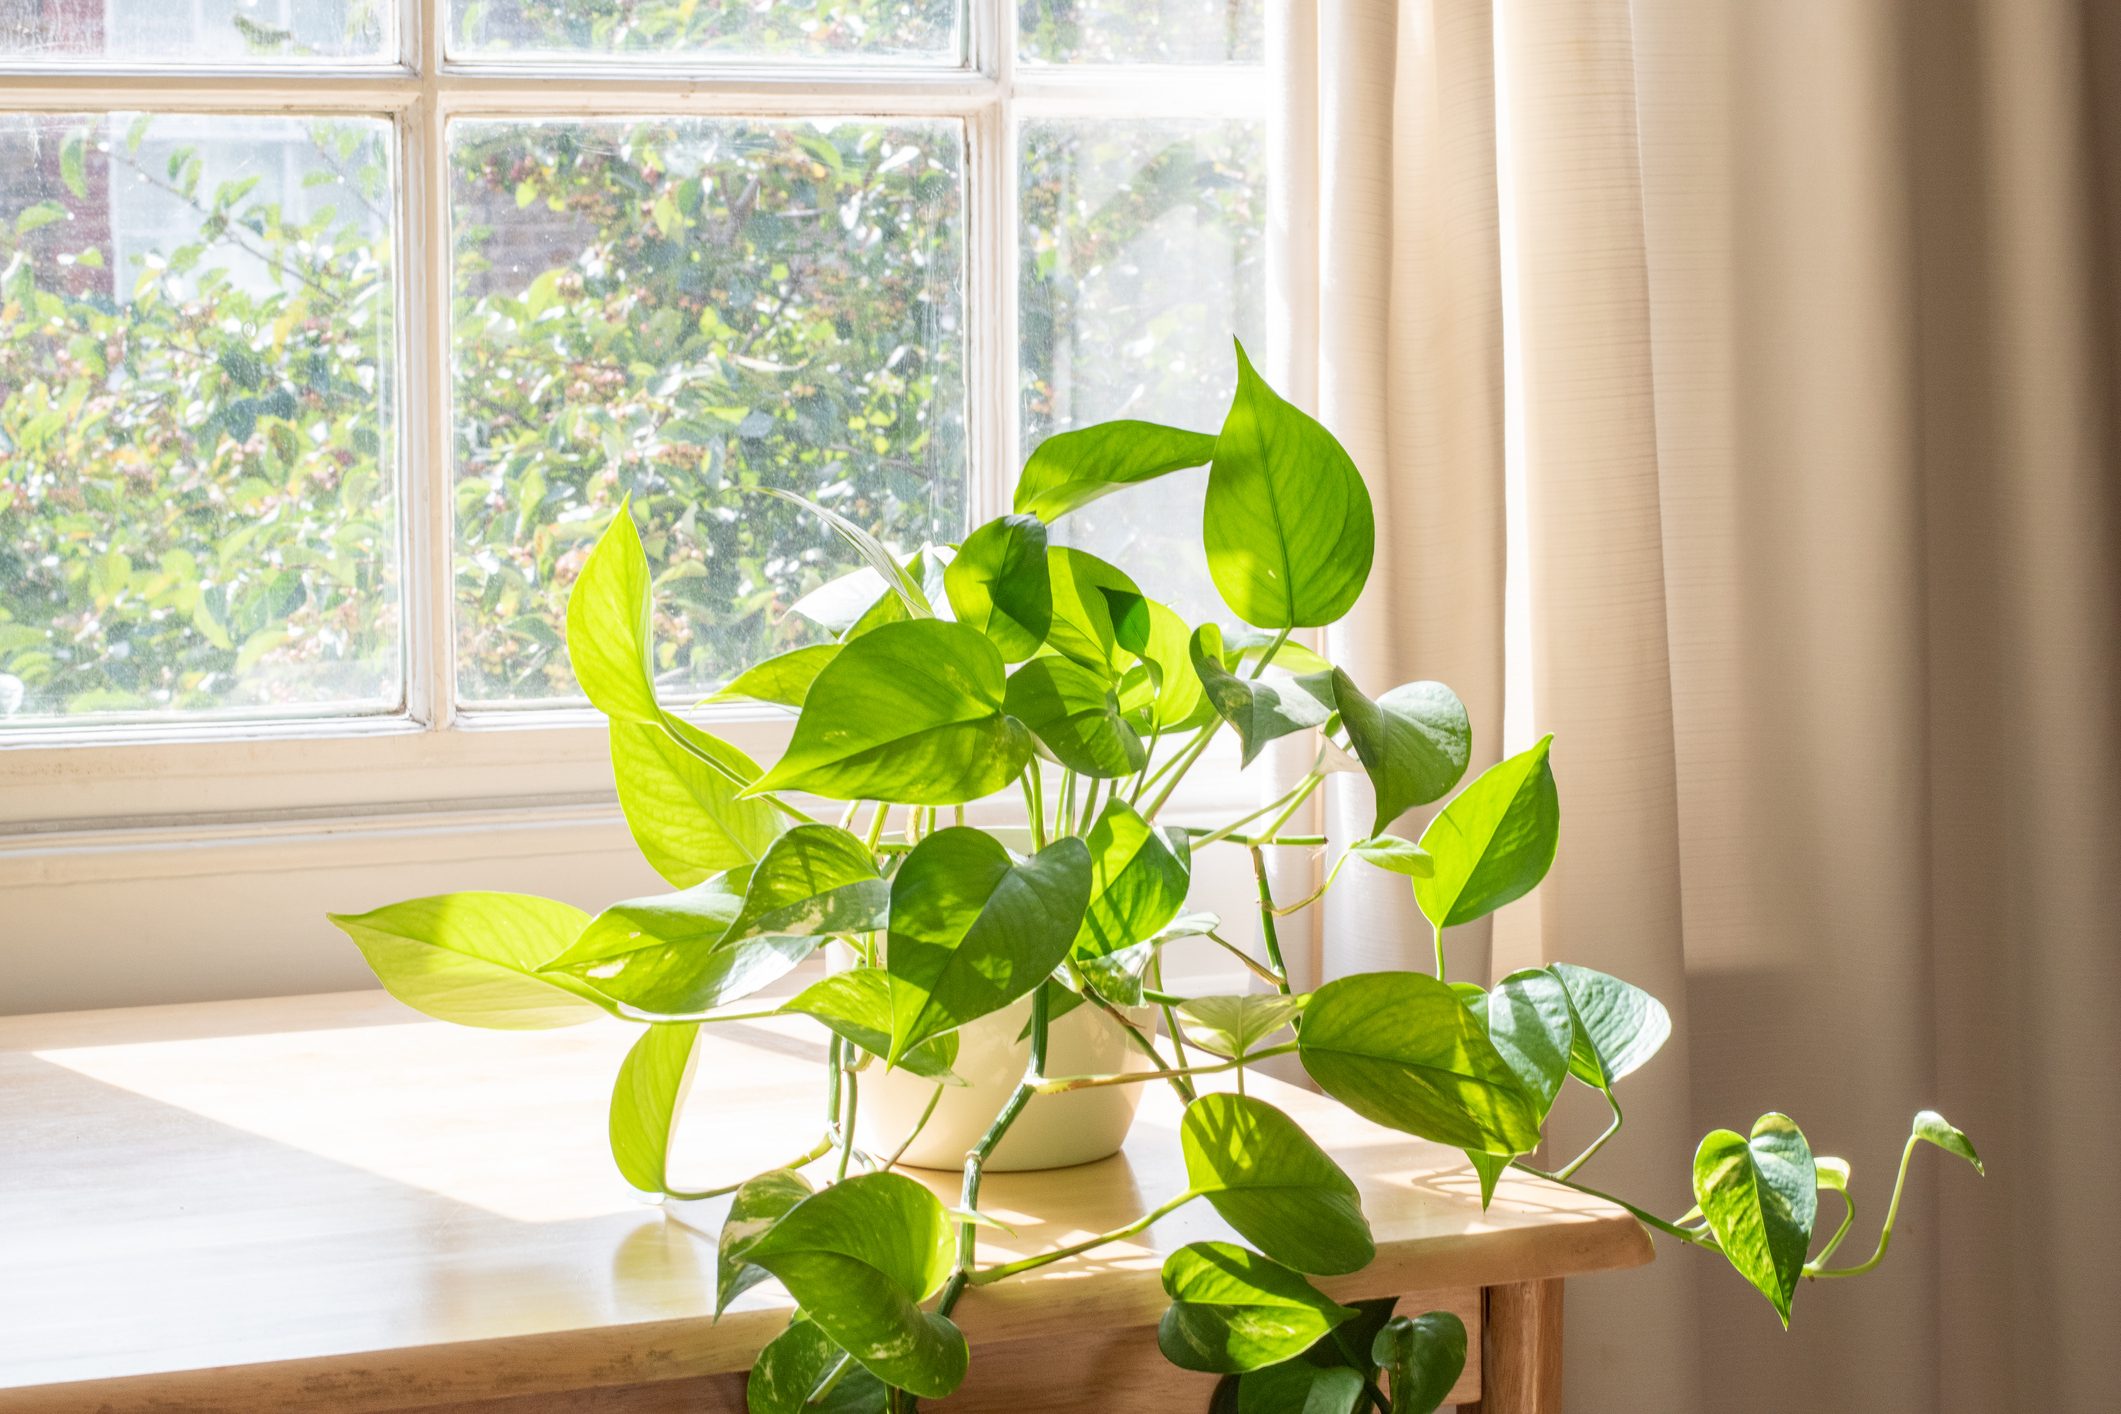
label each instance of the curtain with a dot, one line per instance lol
(1776, 419)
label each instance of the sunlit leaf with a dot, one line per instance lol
(1233, 1310)
(473, 958)
(1269, 1181)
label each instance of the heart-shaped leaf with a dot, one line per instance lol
(644, 1103)
(473, 958)
(1288, 525)
(792, 1366)
(1163, 686)
(1000, 585)
(1531, 1025)
(839, 604)
(873, 552)
(608, 641)
(1934, 1128)
(815, 880)
(684, 814)
(910, 713)
(856, 1006)
(1117, 976)
(1071, 709)
(784, 679)
(1761, 1198)
(973, 930)
(1268, 1180)
(1233, 1310)
(1392, 853)
(1401, 1049)
(1261, 709)
(1069, 470)
(1414, 742)
(1083, 628)
(662, 958)
(1299, 1387)
(859, 1258)
(1424, 1355)
(1618, 1026)
(1139, 876)
(1493, 842)
(757, 1205)
(1234, 1026)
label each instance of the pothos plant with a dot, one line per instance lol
(1010, 665)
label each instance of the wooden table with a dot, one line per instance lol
(330, 1203)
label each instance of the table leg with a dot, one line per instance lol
(1521, 1350)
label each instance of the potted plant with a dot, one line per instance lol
(1013, 668)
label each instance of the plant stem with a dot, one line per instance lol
(1268, 656)
(1669, 1229)
(854, 1104)
(876, 824)
(1180, 764)
(1144, 1044)
(1063, 805)
(1083, 821)
(1065, 1083)
(692, 1195)
(1264, 973)
(1278, 841)
(723, 770)
(1848, 1220)
(1439, 952)
(1596, 1144)
(967, 1231)
(1267, 933)
(985, 1275)
(915, 1133)
(1885, 1234)
(1306, 785)
(1316, 894)
(1035, 805)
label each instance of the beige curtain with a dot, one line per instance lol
(1802, 320)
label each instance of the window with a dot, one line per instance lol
(332, 332)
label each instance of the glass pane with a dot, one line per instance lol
(1141, 31)
(1142, 250)
(196, 416)
(688, 310)
(876, 30)
(193, 31)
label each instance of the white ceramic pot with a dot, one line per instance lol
(1054, 1131)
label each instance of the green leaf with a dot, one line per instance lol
(1532, 1027)
(792, 1366)
(1401, 1049)
(972, 930)
(1083, 627)
(912, 713)
(1072, 711)
(858, 1258)
(685, 816)
(1934, 1128)
(856, 1005)
(1618, 1025)
(608, 638)
(662, 958)
(1117, 976)
(1163, 682)
(1269, 1181)
(758, 1204)
(1288, 525)
(73, 163)
(1395, 854)
(840, 603)
(1233, 1026)
(1425, 1355)
(1233, 1310)
(814, 880)
(872, 551)
(1139, 876)
(1261, 709)
(644, 1103)
(473, 958)
(1761, 1198)
(1413, 742)
(1299, 1387)
(1069, 470)
(783, 679)
(1493, 842)
(1000, 585)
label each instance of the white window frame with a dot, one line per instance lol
(431, 754)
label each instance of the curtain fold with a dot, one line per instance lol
(1808, 318)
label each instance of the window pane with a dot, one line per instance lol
(1142, 245)
(219, 31)
(196, 445)
(1141, 31)
(881, 30)
(687, 310)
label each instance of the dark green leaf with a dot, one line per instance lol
(784, 680)
(1761, 1198)
(1232, 1310)
(999, 584)
(1139, 876)
(1269, 1181)
(1288, 524)
(792, 1366)
(1072, 711)
(973, 930)
(758, 1204)
(856, 1005)
(1493, 842)
(912, 713)
(1261, 709)
(644, 1103)
(1424, 1355)
(1117, 976)
(1618, 1026)
(1414, 742)
(1529, 1022)
(1299, 1387)
(1401, 1049)
(473, 958)
(1072, 469)
(684, 814)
